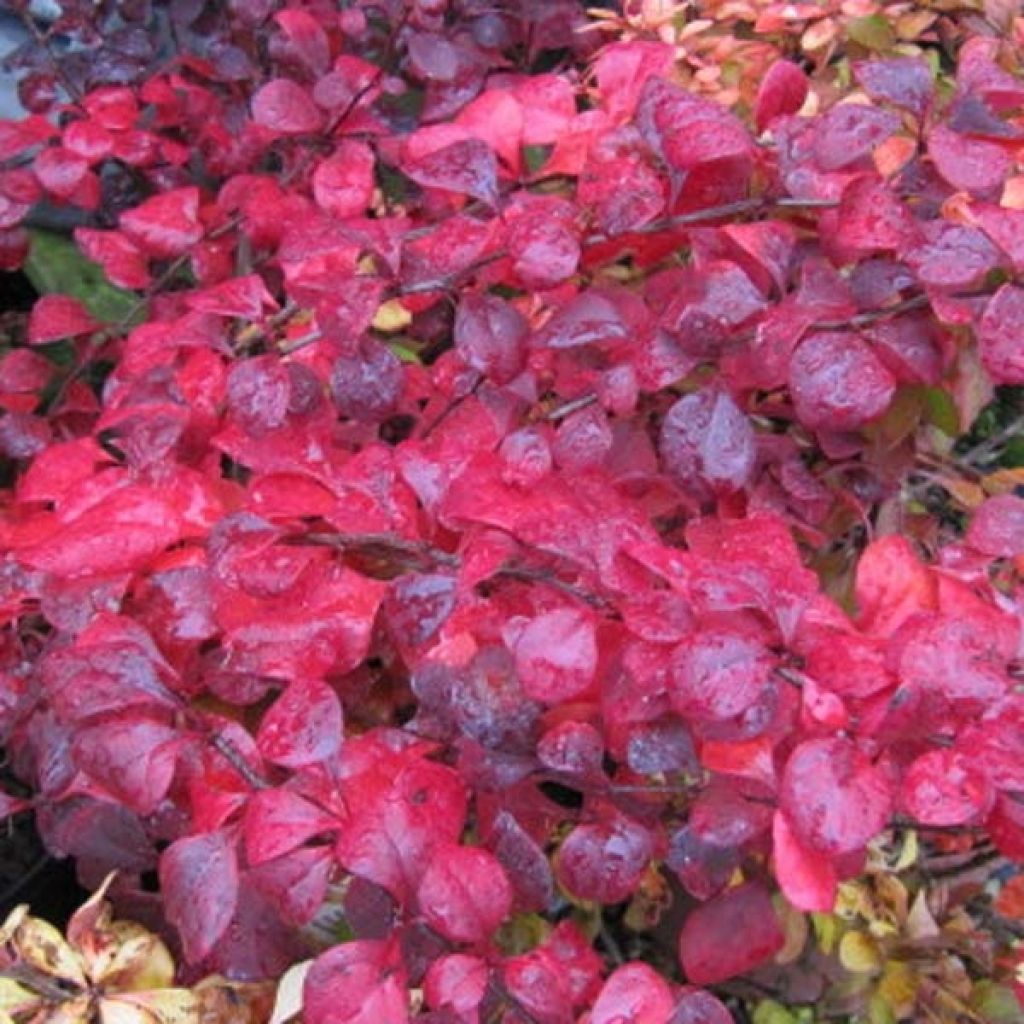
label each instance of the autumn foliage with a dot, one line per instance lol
(511, 532)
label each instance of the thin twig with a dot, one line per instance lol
(233, 756)
(568, 408)
(382, 542)
(44, 42)
(710, 213)
(865, 319)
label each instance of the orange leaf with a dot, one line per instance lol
(1010, 901)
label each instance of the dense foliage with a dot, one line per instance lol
(500, 525)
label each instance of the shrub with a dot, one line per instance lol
(500, 525)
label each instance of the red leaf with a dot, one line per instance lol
(167, 224)
(457, 981)
(132, 758)
(808, 880)
(997, 527)
(905, 82)
(286, 108)
(972, 165)
(849, 132)
(360, 982)
(633, 994)
(717, 674)
(306, 39)
(537, 982)
(695, 1006)
(60, 171)
(945, 787)
(782, 92)
(543, 242)
(464, 894)
(1003, 226)
(604, 862)
(496, 118)
(837, 382)
(467, 167)
(303, 726)
(623, 68)
(951, 256)
(871, 218)
(525, 863)
(999, 334)
(399, 814)
(278, 820)
(328, 629)
(366, 386)
(833, 796)
(556, 656)
(296, 884)
(122, 260)
(490, 333)
(892, 585)
(706, 436)
(55, 317)
(199, 884)
(343, 182)
(729, 935)
(121, 532)
(689, 131)
(245, 297)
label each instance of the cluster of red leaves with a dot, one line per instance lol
(508, 609)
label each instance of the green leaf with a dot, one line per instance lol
(55, 264)
(771, 1012)
(873, 32)
(995, 1004)
(406, 354)
(940, 411)
(535, 157)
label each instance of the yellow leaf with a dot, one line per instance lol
(91, 917)
(391, 317)
(141, 961)
(42, 946)
(795, 929)
(911, 26)
(288, 1002)
(13, 921)
(818, 36)
(234, 1002)
(163, 1006)
(920, 922)
(893, 154)
(898, 987)
(858, 953)
(880, 1012)
(73, 1011)
(1004, 481)
(908, 852)
(1013, 193)
(826, 930)
(15, 998)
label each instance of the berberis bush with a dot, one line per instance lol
(505, 525)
